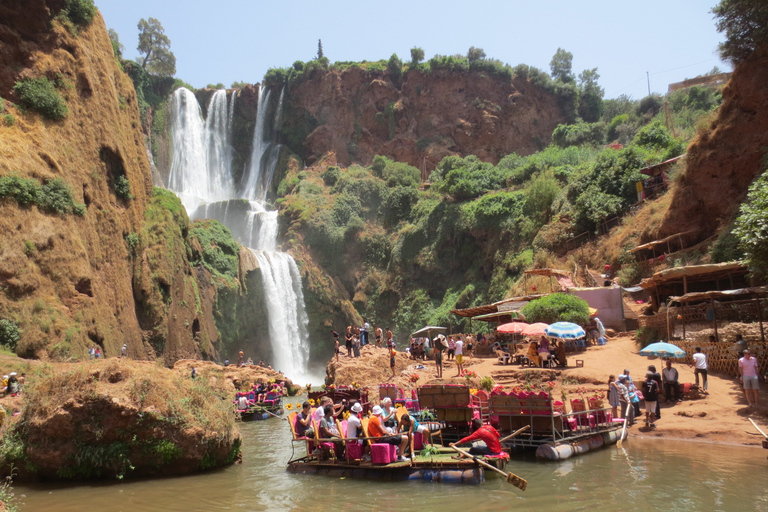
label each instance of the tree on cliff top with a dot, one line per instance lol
(745, 24)
(155, 46)
(417, 55)
(475, 54)
(562, 66)
(320, 49)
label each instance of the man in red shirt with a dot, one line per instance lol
(486, 433)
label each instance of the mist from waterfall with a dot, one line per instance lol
(202, 176)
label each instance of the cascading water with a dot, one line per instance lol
(201, 173)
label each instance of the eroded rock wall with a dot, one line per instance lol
(723, 160)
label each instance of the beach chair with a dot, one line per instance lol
(584, 420)
(324, 444)
(504, 357)
(381, 453)
(353, 450)
(308, 442)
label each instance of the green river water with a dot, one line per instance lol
(643, 475)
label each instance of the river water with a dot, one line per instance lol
(643, 475)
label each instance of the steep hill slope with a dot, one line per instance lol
(724, 159)
(109, 260)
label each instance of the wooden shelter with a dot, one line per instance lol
(499, 312)
(667, 242)
(564, 278)
(729, 298)
(679, 281)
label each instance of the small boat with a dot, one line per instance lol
(439, 467)
(270, 407)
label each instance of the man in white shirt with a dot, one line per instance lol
(458, 350)
(700, 367)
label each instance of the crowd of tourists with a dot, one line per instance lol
(386, 424)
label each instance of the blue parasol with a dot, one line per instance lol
(565, 330)
(662, 349)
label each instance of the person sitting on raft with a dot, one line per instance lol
(488, 435)
(388, 416)
(303, 420)
(376, 429)
(329, 430)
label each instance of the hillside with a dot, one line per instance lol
(92, 255)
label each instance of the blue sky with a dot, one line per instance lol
(239, 40)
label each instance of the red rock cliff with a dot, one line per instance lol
(361, 114)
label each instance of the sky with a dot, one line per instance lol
(224, 41)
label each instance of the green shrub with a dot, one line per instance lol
(54, 196)
(80, 12)
(557, 307)
(9, 120)
(40, 95)
(219, 249)
(10, 334)
(331, 176)
(29, 247)
(645, 336)
(122, 188)
(133, 240)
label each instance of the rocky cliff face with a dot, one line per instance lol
(358, 114)
(723, 160)
(120, 273)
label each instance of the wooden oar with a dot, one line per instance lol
(275, 415)
(512, 478)
(514, 434)
(758, 428)
(624, 429)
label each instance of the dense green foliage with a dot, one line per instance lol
(122, 188)
(40, 95)
(10, 334)
(80, 12)
(752, 226)
(745, 24)
(557, 307)
(219, 251)
(53, 196)
(155, 48)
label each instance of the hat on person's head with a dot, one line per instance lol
(377, 411)
(13, 374)
(622, 377)
(5, 376)
(357, 407)
(436, 338)
(386, 400)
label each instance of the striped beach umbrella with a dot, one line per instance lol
(565, 330)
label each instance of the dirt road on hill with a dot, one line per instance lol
(720, 417)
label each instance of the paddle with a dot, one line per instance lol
(758, 428)
(514, 434)
(512, 478)
(624, 429)
(275, 415)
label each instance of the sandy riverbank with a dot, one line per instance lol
(720, 417)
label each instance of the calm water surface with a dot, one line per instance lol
(644, 475)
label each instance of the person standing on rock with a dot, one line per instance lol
(356, 346)
(670, 378)
(364, 332)
(748, 368)
(348, 340)
(389, 336)
(379, 334)
(240, 358)
(124, 350)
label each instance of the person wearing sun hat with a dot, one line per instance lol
(376, 429)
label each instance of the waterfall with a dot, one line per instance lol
(265, 152)
(201, 173)
(288, 321)
(202, 151)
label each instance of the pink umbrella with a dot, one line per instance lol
(512, 328)
(537, 329)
